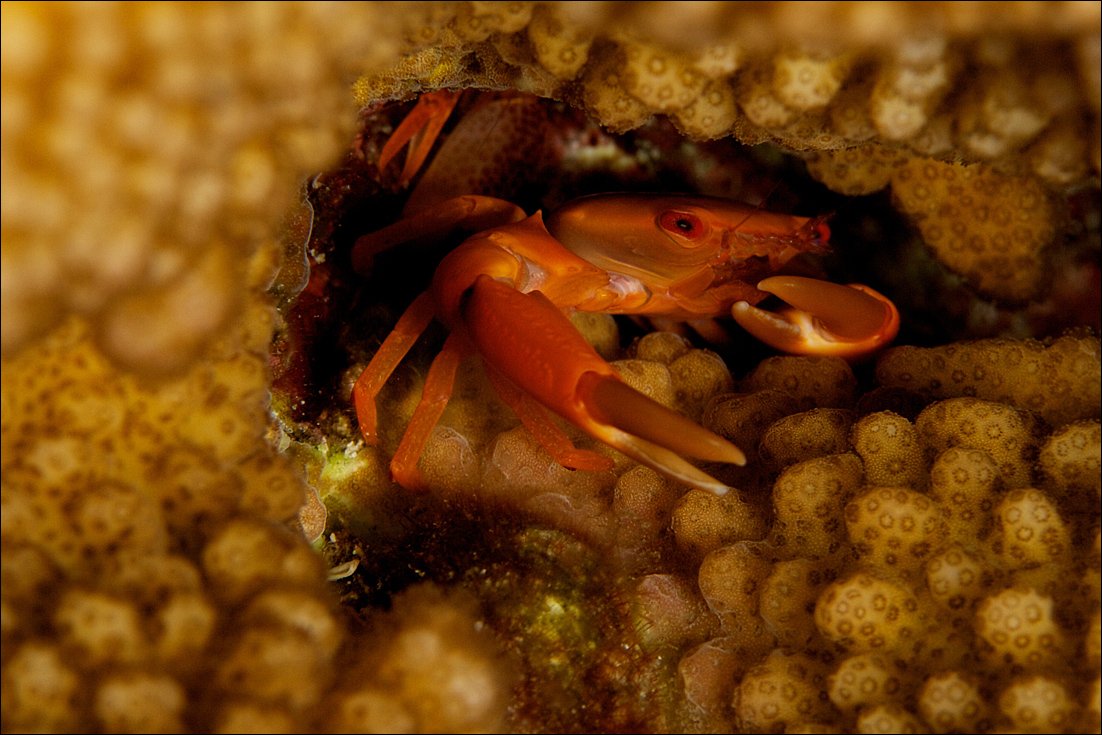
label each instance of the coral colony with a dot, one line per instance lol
(914, 545)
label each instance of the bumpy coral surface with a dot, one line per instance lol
(914, 546)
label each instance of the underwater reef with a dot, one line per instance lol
(194, 538)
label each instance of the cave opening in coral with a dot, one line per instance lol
(339, 317)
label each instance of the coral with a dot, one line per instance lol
(888, 718)
(855, 171)
(787, 599)
(888, 445)
(187, 194)
(965, 482)
(866, 679)
(806, 81)
(154, 576)
(642, 503)
(809, 499)
(663, 347)
(744, 417)
(758, 100)
(869, 612)
(661, 80)
(958, 578)
(895, 528)
(118, 484)
(815, 382)
(1005, 434)
(605, 95)
(1068, 460)
(781, 691)
(1069, 457)
(100, 629)
(908, 88)
(1019, 627)
(951, 702)
(40, 689)
(986, 226)
(559, 48)
(730, 578)
(137, 702)
(814, 433)
(705, 672)
(669, 611)
(1031, 530)
(1006, 371)
(703, 522)
(1039, 704)
(477, 21)
(697, 376)
(432, 667)
(650, 377)
(711, 114)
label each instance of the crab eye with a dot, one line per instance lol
(684, 224)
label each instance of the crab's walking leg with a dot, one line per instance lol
(434, 399)
(543, 429)
(409, 327)
(532, 343)
(471, 213)
(828, 319)
(419, 129)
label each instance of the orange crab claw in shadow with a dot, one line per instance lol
(850, 321)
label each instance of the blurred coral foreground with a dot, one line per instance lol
(914, 547)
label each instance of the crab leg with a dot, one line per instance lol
(419, 129)
(409, 327)
(828, 319)
(434, 399)
(549, 436)
(471, 213)
(532, 343)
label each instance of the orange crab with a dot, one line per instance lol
(504, 294)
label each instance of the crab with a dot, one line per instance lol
(505, 293)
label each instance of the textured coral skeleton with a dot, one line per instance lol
(154, 578)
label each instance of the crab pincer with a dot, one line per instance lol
(850, 321)
(531, 343)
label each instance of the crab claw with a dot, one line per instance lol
(650, 433)
(849, 321)
(528, 340)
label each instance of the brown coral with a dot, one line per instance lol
(809, 499)
(895, 528)
(814, 433)
(870, 612)
(867, 679)
(888, 445)
(989, 227)
(1019, 627)
(783, 690)
(1006, 371)
(951, 702)
(1005, 434)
